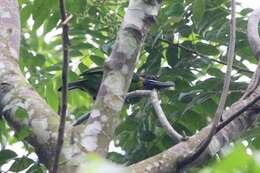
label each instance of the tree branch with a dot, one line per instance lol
(16, 93)
(64, 90)
(166, 161)
(118, 72)
(238, 118)
(252, 32)
(162, 118)
(239, 69)
(231, 52)
(138, 93)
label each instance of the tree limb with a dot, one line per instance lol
(118, 72)
(64, 90)
(220, 109)
(162, 118)
(138, 93)
(239, 69)
(166, 161)
(16, 93)
(238, 118)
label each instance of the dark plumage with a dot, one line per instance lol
(91, 80)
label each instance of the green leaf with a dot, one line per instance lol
(6, 155)
(29, 59)
(216, 72)
(21, 113)
(176, 9)
(237, 160)
(23, 132)
(41, 11)
(198, 10)
(52, 22)
(172, 55)
(25, 14)
(206, 49)
(35, 169)
(97, 60)
(21, 164)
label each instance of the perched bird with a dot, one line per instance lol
(91, 80)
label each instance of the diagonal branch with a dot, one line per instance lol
(231, 52)
(167, 161)
(254, 41)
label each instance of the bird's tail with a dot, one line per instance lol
(92, 71)
(154, 84)
(73, 85)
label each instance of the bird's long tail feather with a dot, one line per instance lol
(73, 85)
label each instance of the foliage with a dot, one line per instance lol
(238, 160)
(99, 165)
(188, 41)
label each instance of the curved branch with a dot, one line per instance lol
(220, 109)
(252, 32)
(162, 118)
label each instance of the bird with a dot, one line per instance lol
(90, 81)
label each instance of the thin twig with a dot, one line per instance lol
(65, 44)
(162, 118)
(254, 41)
(231, 51)
(239, 69)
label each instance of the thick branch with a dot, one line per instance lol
(166, 161)
(95, 135)
(252, 32)
(16, 93)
